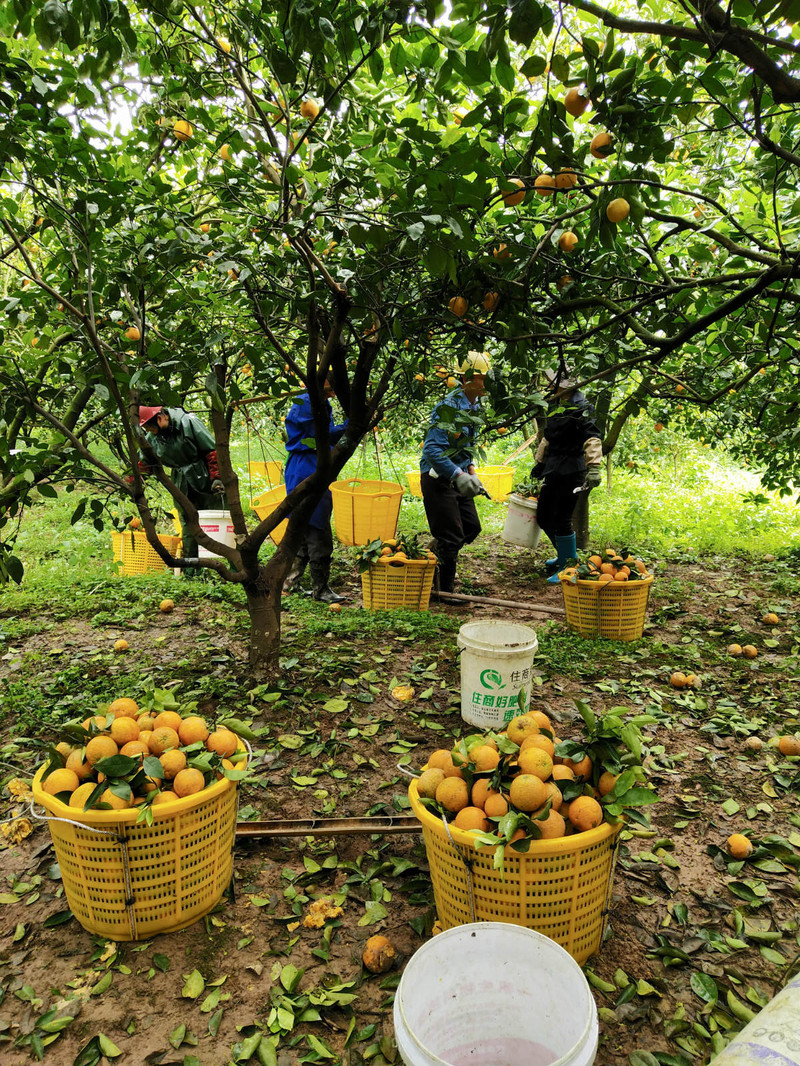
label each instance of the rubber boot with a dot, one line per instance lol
(446, 575)
(566, 549)
(320, 573)
(294, 577)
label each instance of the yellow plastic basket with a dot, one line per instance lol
(614, 611)
(364, 511)
(413, 479)
(558, 887)
(265, 504)
(137, 555)
(497, 480)
(126, 881)
(386, 585)
(269, 471)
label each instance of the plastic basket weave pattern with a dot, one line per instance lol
(402, 584)
(560, 888)
(614, 611)
(364, 511)
(137, 555)
(126, 881)
(265, 504)
(497, 480)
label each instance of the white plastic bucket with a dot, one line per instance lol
(496, 666)
(216, 524)
(772, 1036)
(521, 526)
(494, 993)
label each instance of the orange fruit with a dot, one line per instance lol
(618, 210)
(606, 782)
(563, 773)
(524, 725)
(789, 745)
(379, 954)
(453, 794)
(582, 769)
(574, 103)
(481, 792)
(145, 735)
(121, 645)
(544, 185)
(163, 739)
(100, 748)
(60, 781)
(490, 302)
(146, 721)
(541, 719)
(471, 818)
(770, 619)
(115, 802)
(192, 729)
(739, 847)
(585, 813)
(554, 795)
(427, 782)
(124, 708)
(168, 720)
(537, 762)
(484, 758)
(749, 651)
(527, 792)
(98, 722)
(458, 305)
(123, 730)
(134, 748)
(63, 748)
(567, 242)
(566, 178)
(496, 805)
(81, 795)
(165, 796)
(552, 826)
(166, 606)
(539, 740)
(78, 764)
(223, 742)
(734, 649)
(678, 679)
(621, 575)
(172, 763)
(600, 146)
(188, 782)
(514, 197)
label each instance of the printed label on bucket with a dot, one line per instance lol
(496, 699)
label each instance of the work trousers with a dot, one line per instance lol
(556, 504)
(452, 518)
(316, 546)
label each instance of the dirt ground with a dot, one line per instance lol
(694, 939)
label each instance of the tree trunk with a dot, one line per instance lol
(264, 608)
(580, 521)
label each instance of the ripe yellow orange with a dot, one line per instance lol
(544, 185)
(554, 795)
(182, 129)
(585, 813)
(789, 745)
(458, 305)
(606, 782)
(124, 730)
(527, 792)
(739, 847)
(490, 301)
(496, 805)
(567, 242)
(770, 619)
(618, 210)
(78, 764)
(574, 103)
(172, 762)
(749, 651)
(537, 762)
(81, 795)
(100, 748)
(502, 252)
(60, 781)
(166, 606)
(223, 742)
(192, 729)
(520, 727)
(124, 708)
(117, 803)
(600, 146)
(734, 649)
(563, 773)
(63, 748)
(453, 794)
(566, 178)
(309, 109)
(539, 740)
(225, 153)
(379, 954)
(163, 739)
(541, 719)
(188, 782)
(441, 759)
(168, 720)
(224, 45)
(512, 198)
(471, 818)
(553, 826)
(678, 679)
(335, 608)
(145, 735)
(132, 333)
(165, 796)
(582, 769)
(428, 781)
(481, 792)
(484, 758)
(134, 748)
(121, 645)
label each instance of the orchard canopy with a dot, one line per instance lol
(202, 203)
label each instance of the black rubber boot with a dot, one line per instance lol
(446, 575)
(319, 584)
(295, 575)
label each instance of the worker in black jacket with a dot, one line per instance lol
(568, 457)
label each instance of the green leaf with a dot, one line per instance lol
(704, 986)
(336, 705)
(194, 984)
(177, 1035)
(290, 977)
(108, 1047)
(103, 984)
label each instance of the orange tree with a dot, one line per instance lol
(240, 200)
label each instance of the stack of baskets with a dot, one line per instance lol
(558, 887)
(137, 556)
(614, 611)
(386, 584)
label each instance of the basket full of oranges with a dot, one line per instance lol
(397, 573)
(141, 808)
(606, 595)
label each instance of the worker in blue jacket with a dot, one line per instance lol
(316, 548)
(447, 471)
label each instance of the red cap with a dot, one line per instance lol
(147, 414)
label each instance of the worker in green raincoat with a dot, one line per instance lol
(182, 443)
